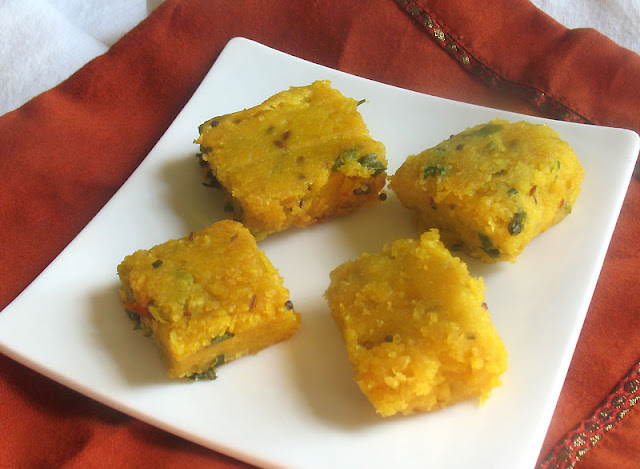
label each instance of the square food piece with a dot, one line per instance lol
(492, 188)
(416, 328)
(301, 157)
(206, 299)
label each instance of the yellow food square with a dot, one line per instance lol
(492, 188)
(303, 156)
(415, 327)
(207, 298)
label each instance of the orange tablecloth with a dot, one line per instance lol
(63, 155)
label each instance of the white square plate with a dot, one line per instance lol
(295, 404)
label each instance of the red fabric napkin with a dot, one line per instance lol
(65, 153)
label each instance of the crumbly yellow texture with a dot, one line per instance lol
(492, 188)
(415, 327)
(207, 298)
(301, 157)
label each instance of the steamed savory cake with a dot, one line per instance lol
(416, 328)
(301, 157)
(492, 188)
(206, 299)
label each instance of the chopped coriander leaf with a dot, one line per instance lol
(345, 157)
(370, 161)
(517, 223)
(221, 338)
(208, 375)
(135, 317)
(488, 247)
(436, 170)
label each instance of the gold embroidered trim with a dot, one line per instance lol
(590, 432)
(547, 105)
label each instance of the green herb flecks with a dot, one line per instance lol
(435, 170)
(135, 317)
(209, 374)
(221, 338)
(512, 191)
(484, 131)
(137, 324)
(370, 161)
(361, 102)
(345, 157)
(488, 247)
(516, 225)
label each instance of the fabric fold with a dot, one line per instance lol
(40, 47)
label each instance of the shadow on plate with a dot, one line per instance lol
(197, 205)
(135, 355)
(323, 373)
(368, 229)
(371, 228)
